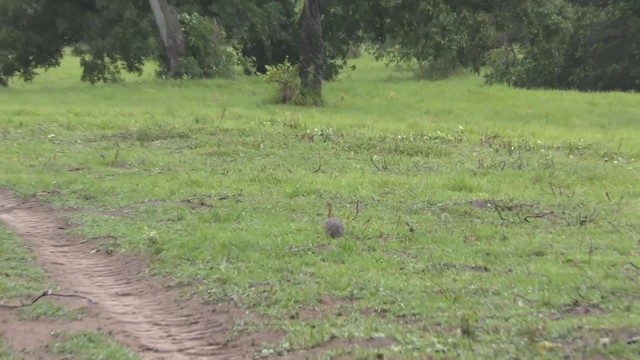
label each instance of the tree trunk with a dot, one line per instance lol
(170, 33)
(311, 51)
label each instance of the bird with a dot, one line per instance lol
(334, 227)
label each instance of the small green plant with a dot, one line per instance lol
(285, 75)
(89, 345)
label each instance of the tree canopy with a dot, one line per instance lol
(573, 44)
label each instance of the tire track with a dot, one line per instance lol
(139, 311)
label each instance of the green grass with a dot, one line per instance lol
(6, 353)
(227, 192)
(89, 346)
(19, 276)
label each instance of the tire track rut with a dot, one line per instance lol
(139, 311)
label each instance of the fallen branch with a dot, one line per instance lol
(500, 214)
(357, 210)
(180, 149)
(46, 293)
(374, 164)
(538, 216)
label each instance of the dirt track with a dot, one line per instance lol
(136, 309)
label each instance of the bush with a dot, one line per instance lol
(286, 76)
(209, 54)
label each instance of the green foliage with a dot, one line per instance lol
(423, 32)
(208, 51)
(503, 63)
(604, 50)
(285, 76)
(265, 31)
(109, 36)
(543, 30)
(28, 38)
(586, 45)
(116, 36)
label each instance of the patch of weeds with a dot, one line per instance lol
(7, 353)
(19, 276)
(86, 345)
(285, 76)
(48, 310)
(319, 135)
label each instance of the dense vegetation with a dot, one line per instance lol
(581, 44)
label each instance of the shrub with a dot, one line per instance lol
(285, 75)
(209, 53)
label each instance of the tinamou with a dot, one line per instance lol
(333, 226)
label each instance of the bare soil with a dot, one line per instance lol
(137, 310)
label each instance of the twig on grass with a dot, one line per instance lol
(374, 164)
(357, 210)
(181, 148)
(500, 214)
(47, 292)
(383, 166)
(318, 169)
(538, 216)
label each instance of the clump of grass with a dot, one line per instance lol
(89, 345)
(20, 276)
(48, 310)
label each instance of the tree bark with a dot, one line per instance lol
(312, 64)
(170, 33)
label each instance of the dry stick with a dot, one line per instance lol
(46, 293)
(374, 164)
(115, 157)
(538, 216)
(357, 210)
(366, 224)
(500, 214)
(181, 148)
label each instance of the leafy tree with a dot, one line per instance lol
(209, 54)
(604, 50)
(109, 36)
(113, 36)
(31, 36)
(264, 30)
(537, 33)
(579, 44)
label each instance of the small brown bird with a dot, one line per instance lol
(333, 226)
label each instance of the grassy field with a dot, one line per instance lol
(482, 222)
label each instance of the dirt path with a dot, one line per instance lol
(137, 310)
